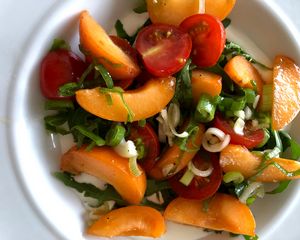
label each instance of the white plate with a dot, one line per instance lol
(28, 158)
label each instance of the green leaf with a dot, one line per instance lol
(281, 187)
(154, 186)
(295, 149)
(58, 44)
(141, 8)
(232, 49)
(251, 238)
(89, 134)
(53, 123)
(58, 105)
(105, 75)
(226, 22)
(206, 108)
(90, 190)
(183, 92)
(68, 89)
(123, 34)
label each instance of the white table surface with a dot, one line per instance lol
(20, 221)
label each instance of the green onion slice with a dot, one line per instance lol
(187, 177)
(235, 177)
(115, 135)
(133, 166)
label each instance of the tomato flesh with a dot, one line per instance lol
(58, 68)
(250, 139)
(163, 48)
(201, 187)
(151, 144)
(208, 36)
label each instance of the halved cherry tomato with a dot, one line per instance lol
(208, 35)
(163, 48)
(58, 68)
(151, 144)
(200, 187)
(250, 139)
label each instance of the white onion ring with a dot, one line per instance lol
(250, 191)
(198, 172)
(224, 140)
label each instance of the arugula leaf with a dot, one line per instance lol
(281, 187)
(53, 123)
(105, 75)
(154, 186)
(123, 34)
(295, 149)
(68, 89)
(226, 22)
(251, 238)
(141, 8)
(58, 105)
(90, 190)
(232, 49)
(89, 134)
(58, 44)
(183, 91)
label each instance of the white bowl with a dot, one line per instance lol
(56, 205)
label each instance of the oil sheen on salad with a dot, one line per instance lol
(174, 122)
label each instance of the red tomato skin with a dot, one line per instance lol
(193, 191)
(58, 68)
(163, 48)
(208, 36)
(150, 141)
(250, 139)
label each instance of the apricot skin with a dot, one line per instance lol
(107, 165)
(144, 102)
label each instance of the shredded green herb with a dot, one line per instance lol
(90, 190)
(59, 44)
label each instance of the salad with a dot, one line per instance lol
(174, 122)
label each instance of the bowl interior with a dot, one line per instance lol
(36, 153)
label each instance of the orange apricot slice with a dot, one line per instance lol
(286, 92)
(242, 72)
(129, 221)
(240, 159)
(105, 164)
(159, 11)
(143, 102)
(205, 82)
(174, 159)
(97, 43)
(219, 8)
(224, 212)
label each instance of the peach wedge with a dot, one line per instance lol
(240, 159)
(129, 221)
(96, 42)
(105, 164)
(286, 92)
(143, 102)
(224, 212)
(174, 159)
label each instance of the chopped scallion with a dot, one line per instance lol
(267, 98)
(266, 138)
(235, 177)
(187, 177)
(89, 134)
(105, 75)
(133, 166)
(115, 135)
(206, 108)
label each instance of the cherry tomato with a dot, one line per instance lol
(250, 139)
(58, 68)
(164, 49)
(200, 187)
(150, 141)
(208, 36)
